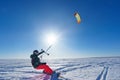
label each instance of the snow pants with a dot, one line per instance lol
(46, 68)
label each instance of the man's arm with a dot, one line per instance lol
(42, 51)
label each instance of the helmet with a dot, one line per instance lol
(35, 52)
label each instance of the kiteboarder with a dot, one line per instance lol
(37, 64)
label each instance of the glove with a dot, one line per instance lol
(42, 51)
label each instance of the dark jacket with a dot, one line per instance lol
(35, 60)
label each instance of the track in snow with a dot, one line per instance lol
(103, 74)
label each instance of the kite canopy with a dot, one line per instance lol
(77, 17)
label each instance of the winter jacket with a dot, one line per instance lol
(35, 60)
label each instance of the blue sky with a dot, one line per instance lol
(24, 23)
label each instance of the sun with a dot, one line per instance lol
(51, 38)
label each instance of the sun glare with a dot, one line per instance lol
(51, 38)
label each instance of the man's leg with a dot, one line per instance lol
(46, 68)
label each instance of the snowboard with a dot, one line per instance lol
(57, 76)
(54, 76)
(44, 76)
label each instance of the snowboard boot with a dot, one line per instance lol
(58, 74)
(55, 76)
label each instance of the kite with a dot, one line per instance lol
(77, 17)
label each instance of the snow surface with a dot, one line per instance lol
(107, 68)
